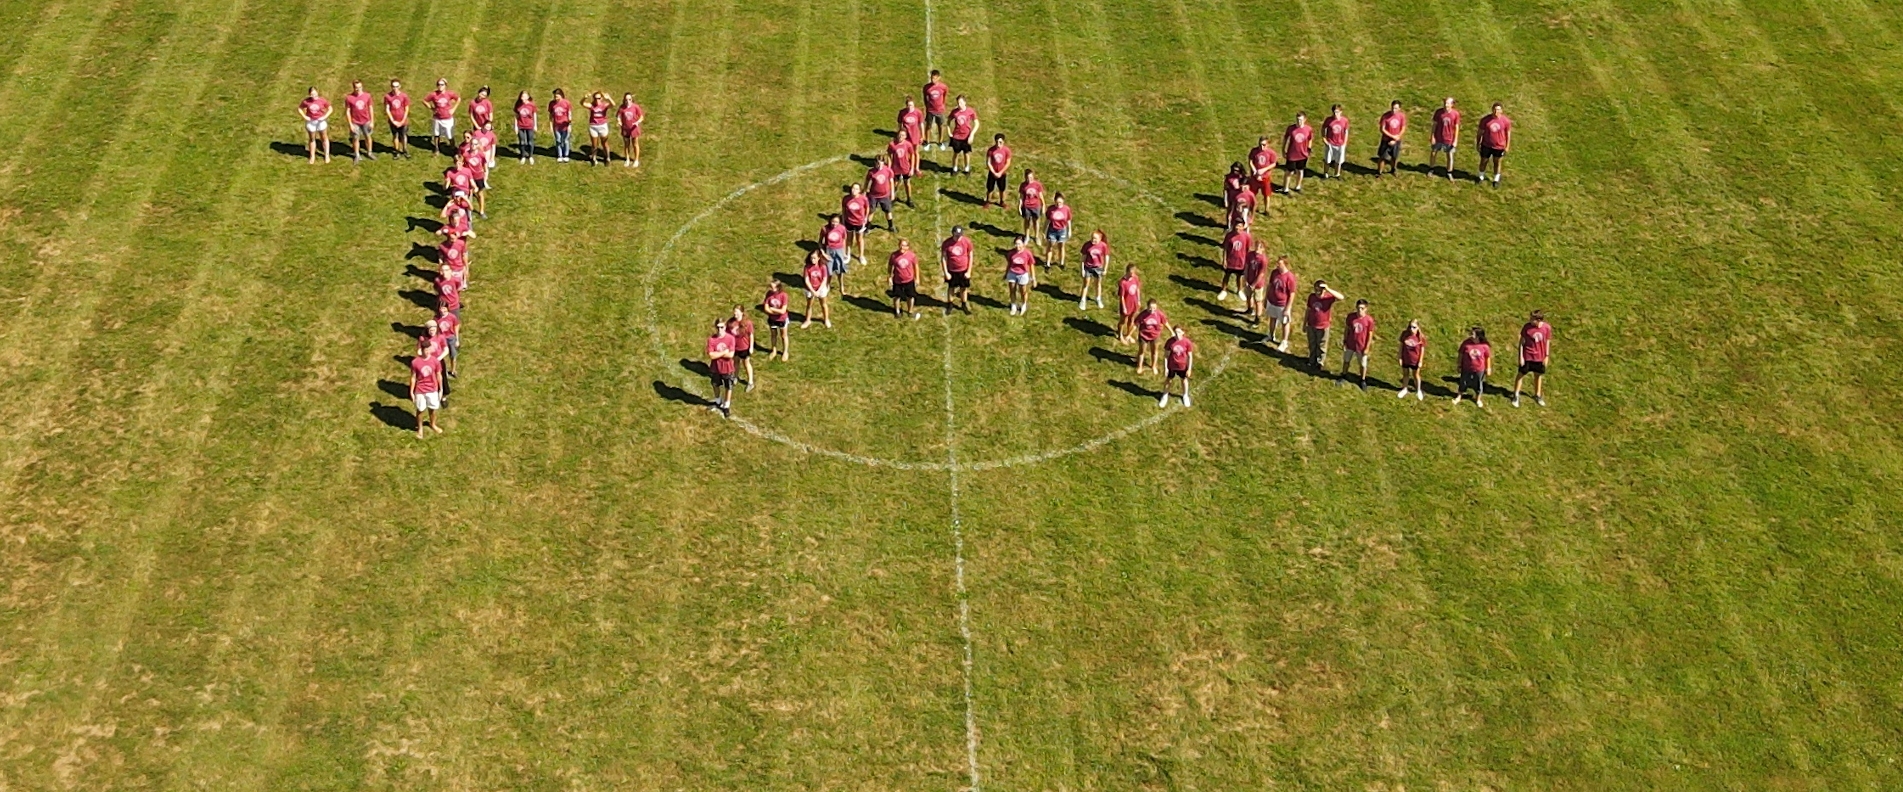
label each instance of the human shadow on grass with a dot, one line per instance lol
(1212, 308)
(428, 276)
(996, 232)
(396, 390)
(697, 368)
(429, 253)
(299, 149)
(1192, 283)
(1243, 335)
(863, 159)
(413, 331)
(1197, 220)
(427, 224)
(1357, 169)
(931, 166)
(1133, 389)
(418, 298)
(962, 197)
(1113, 356)
(1212, 200)
(806, 245)
(394, 416)
(988, 302)
(1199, 238)
(866, 303)
(1089, 327)
(792, 281)
(674, 394)
(1052, 291)
(436, 201)
(1203, 262)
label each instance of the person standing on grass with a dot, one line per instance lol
(1277, 303)
(1030, 204)
(1262, 170)
(1241, 207)
(1320, 314)
(1413, 347)
(315, 111)
(1233, 184)
(1536, 343)
(442, 106)
(1057, 232)
(478, 166)
(525, 111)
(902, 274)
(453, 254)
(1494, 138)
(458, 178)
(561, 117)
(487, 143)
(954, 257)
(911, 127)
(720, 358)
(1476, 362)
(450, 327)
(1296, 142)
(775, 304)
(426, 391)
(1255, 282)
(396, 109)
(997, 171)
(1129, 304)
(481, 110)
(449, 294)
(361, 109)
(1235, 259)
(964, 127)
(1179, 358)
(1393, 126)
(902, 153)
(599, 108)
(1446, 136)
(935, 93)
(1096, 260)
(879, 183)
(1017, 275)
(456, 217)
(1354, 343)
(818, 277)
(1334, 141)
(856, 209)
(1150, 324)
(741, 328)
(835, 240)
(630, 115)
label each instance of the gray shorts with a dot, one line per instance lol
(1333, 154)
(360, 130)
(1443, 147)
(935, 118)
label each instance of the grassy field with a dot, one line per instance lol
(227, 566)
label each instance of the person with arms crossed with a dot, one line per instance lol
(964, 127)
(315, 113)
(1317, 318)
(1446, 136)
(599, 108)
(818, 276)
(630, 115)
(1277, 302)
(1495, 136)
(1413, 348)
(954, 258)
(720, 357)
(856, 209)
(1536, 344)
(442, 106)
(1017, 275)
(1334, 141)
(426, 391)
(902, 153)
(902, 274)
(1179, 359)
(1235, 258)
(879, 183)
(1476, 362)
(396, 109)
(1150, 324)
(935, 93)
(1234, 183)
(1296, 142)
(360, 106)
(997, 172)
(525, 111)
(1355, 343)
(1129, 304)
(835, 240)
(741, 328)
(561, 117)
(1393, 126)
(1057, 232)
(775, 304)
(1241, 207)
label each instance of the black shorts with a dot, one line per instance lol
(1407, 369)
(960, 146)
(905, 291)
(1533, 367)
(776, 324)
(742, 353)
(995, 182)
(482, 184)
(1491, 153)
(1031, 213)
(400, 131)
(1472, 381)
(883, 204)
(860, 229)
(959, 280)
(1295, 166)
(722, 380)
(1390, 150)
(1176, 373)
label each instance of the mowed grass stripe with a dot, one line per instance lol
(45, 66)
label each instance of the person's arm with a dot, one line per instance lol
(1509, 141)
(412, 383)
(1337, 295)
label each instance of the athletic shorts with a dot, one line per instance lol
(1353, 357)
(883, 204)
(960, 146)
(1018, 278)
(837, 259)
(819, 293)
(959, 280)
(400, 131)
(722, 380)
(1176, 373)
(1390, 150)
(776, 323)
(1490, 153)
(1093, 272)
(1533, 367)
(598, 130)
(1408, 370)
(905, 291)
(630, 133)
(1333, 154)
(1031, 213)
(1472, 381)
(1446, 147)
(360, 130)
(1295, 166)
(443, 127)
(935, 118)
(862, 228)
(482, 184)
(314, 127)
(995, 182)
(742, 353)
(1057, 235)
(1277, 313)
(432, 400)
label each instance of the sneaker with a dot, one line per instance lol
(1364, 387)
(1222, 296)
(1540, 400)
(1282, 347)
(829, 324)
(637, 164)
(1099, 302)
(1185, 400)
(1402, 395)
(914, 316)
(1478, 403)
(1163, 402)
(1515, 401)
(1083, 305)
(1420, 395)
(483, 215)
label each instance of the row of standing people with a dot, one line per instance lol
(604, 118)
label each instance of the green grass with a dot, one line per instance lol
(224, 570)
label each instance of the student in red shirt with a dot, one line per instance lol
(1150, 324)
(1255, 283)
(1296, 142)
(902, 153)
(997, 172)
(360, 106)
(481, 110)
(1319, 315)
(954, 258)
(964, 128)
(1276, 303)
(741, 328)
(935, 92)
(880, 181)
(1179, 359)
(450, 327)
(1495, 136)
(1241, 207)
(902, 275)
(396, 109)
(835, 240)
(1234, 183)
(1334, 141)
(561, 116)
(442, 106)
(1057, 232)
(525, 111)
(1235, 258)
(1017, 275)
(1476, 362)
(1355, 343)
(911, 127)
(856, 209)
(1446, 135)
(478, 168)
(630, 115)
(720, 351)
(315, 112)
(1536, 344)
(426, 391)
(818, 277)
(1096, 261)
(1413, 347)
(775, 304)
(1262, 170)
(599, 108)
(1393, 126)
(1129, 303)
(1030, 204)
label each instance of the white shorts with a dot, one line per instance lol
(443, 127)
(598, 130)
(314, 127)
(1332, 154)
(1278, 313)
(428, 401)
(820, 293)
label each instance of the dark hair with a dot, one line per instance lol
(1395, 103)
(998, 138)
(1480, 334)
(1361, 303)
(1333, 109)
(1539, 315)
(934, 72)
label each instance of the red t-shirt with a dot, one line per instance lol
(1534, 337)
(817, 275)
(1319, 308)
(1176, 353)
(901, 155)
(742, 331)
(1446, 126)
(428, 371)
(1031, 194)
(1060, 217)
(912, 123)
(457, 275)
(856, 209)
(879, 181)
(598, 112)
(1232, 185)
(833, 236)
(1475, 356)
(631, 116)
(476, 164)
(525, 115)
(1281, 288)
(998, 159)
(1393, 122)
(1494, 128)
(433, 346)
(935, 93)
(449, 294)
(561, 112)
(449, 325)
(1262, 158)
(775, 302)
(720, 343)
(397, 106)
(1360, 332)
(904, 266)
(442, 104)
(460, 178)
(1296, 141)
(1235, 249)
(1335, 131)
(482, 111)
(1255, 272)
(360, 107)
(1412, 345)
(957, 252)
(1096, 254)
(963, 121)
(314, 109)
(1130, 294)
(452, 253)
(1018, 262)
(1150, 324)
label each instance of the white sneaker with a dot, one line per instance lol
(1403, 394)
(1163, 402)
(1222, 296)
(829, 324)
(1185, 400)
(1282, 347)
(1540, 400)
(1420, 395)
(914, 316)
(1515, 401)
(1083, 305)
(1099, 302)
